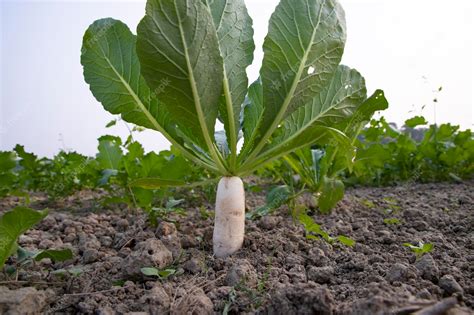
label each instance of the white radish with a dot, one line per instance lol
(229, 223)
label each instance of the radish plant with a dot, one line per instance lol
(186, 68)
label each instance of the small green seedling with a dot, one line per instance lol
(313, 230)
(368, 203)
(421, 249)
(26, 257)
(163, 213)
(161, 274)
(230, 301)
(73, 271)
(392, 221)
(276, 197)
(205, 213)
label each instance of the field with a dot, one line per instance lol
(278, 270)
(79, 236)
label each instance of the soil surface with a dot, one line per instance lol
(278, 271)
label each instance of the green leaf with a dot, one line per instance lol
(173, 203)
(421, 249)
(177, 43)
(320, 135)
(156, 183)
(392, 221)
(24, 254)
(110, 154)
(337, 102)
(332, 191)
(112, 70)
(310, 124)
(317, 156)
(302, 51)
(28, 160)
(55, 255)
(363, 114)
(253, 113)
(312, 228)
(74, 271)
(416, 121)
(149, 271)
(106, 175)
(278, 196)
(154, 272)
(346, 240)
(166, 273)
(111, 123)
(275, 198)
(7, 161)
(13, 224)
(10, 270)
(234, 31)
(428, 247)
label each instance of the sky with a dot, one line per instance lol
(408, 48)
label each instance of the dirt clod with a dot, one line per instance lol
(150, 253)
(268, 222)
(193, 266)
(195, 303)
(321, 275)
(397, 272)
(306, 298)
(24, 301)
(157, 301)
(450, 285)
(241, 272)
(428, 268)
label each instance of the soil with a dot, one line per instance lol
(278, 271)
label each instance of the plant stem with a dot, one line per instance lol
(232, 131)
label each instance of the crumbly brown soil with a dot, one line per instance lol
(278, 271)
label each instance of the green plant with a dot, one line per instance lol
(386, 155)
(163, 213)
(314, 230)
(123, 164)
(7, 175)
(420, 249)
(321, 168)
(26, 257)
(161, 274)
(73, 271)
(13, 224)
(392, 221)
(186, 68)
(59, 177)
